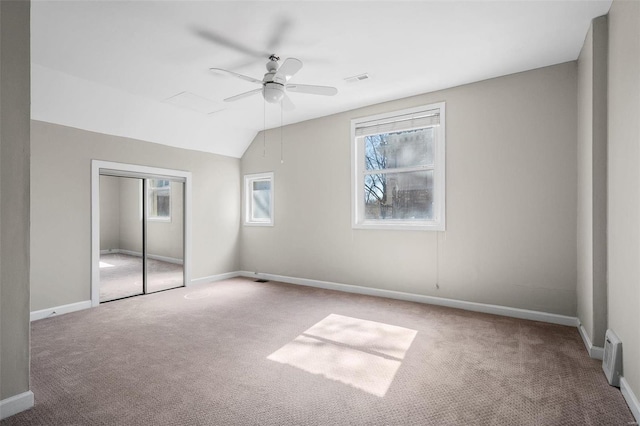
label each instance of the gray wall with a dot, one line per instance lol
(511, 200)
(60, 220)
(163, 238)
(624, 181)
(109, 212)
(129, 215)
(592, 182)
(14, 197)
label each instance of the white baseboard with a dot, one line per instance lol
(64, 309)
(595, 352)
(78, 306)
(166, 259)
(411, 297)
(16, 404)
(630, 397)
(110, 251)
(213, 278)
(139, 254)
(432, 300)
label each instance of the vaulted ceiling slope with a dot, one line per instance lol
(113, 67)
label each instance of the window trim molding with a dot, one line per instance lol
(439, 170)
(248, 201)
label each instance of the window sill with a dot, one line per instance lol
(159, 219)
(258, 224)
(397, 226)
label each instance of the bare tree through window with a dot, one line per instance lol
(398, 180)
(398, 169)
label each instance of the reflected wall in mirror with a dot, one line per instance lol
(121, 266)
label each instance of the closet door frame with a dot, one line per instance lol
(100, 167)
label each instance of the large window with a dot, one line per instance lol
(399, 169)
(258, 192)
(159, 199)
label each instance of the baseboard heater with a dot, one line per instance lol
(612, 359)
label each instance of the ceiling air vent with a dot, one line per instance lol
(357, 78)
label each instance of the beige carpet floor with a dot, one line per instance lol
(239, 352)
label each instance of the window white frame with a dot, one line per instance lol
(248, 199)
(437, 223)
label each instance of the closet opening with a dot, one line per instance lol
(140, 230)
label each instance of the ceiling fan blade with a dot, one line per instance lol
(313, 90)
(286, 103)
(235, 74)
(280, 30)
(243, 95)
(223, 41)
(287, 70)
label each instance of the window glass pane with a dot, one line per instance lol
(261, 200)
(261, 185)
(406, 196)
(258, 189)
(402, 149)
(163, 205)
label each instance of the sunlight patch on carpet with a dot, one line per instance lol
(198, 294)
(105, 265)
(359, 353)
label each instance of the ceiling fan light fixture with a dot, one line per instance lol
(273, 92)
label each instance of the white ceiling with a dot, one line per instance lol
(110, 66)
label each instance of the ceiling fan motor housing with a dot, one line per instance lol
(272, 65)
(273, 92)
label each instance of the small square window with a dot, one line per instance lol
(258, 189)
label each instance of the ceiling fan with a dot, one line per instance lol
(275, 81)
(280, 27)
